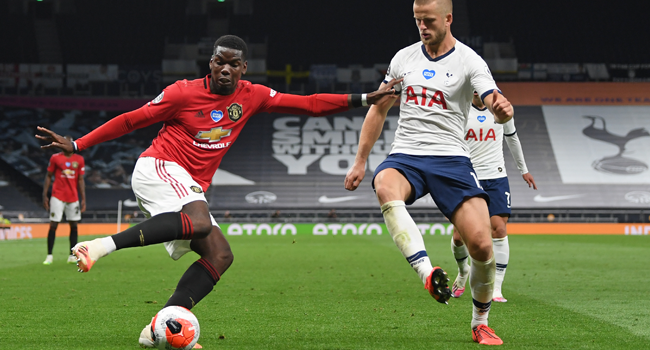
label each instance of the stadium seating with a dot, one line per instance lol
(299, 162)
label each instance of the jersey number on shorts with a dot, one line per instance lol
(478, 184)
(508, 198)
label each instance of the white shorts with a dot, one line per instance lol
(161, 187)
(57, 207)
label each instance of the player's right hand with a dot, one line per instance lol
(46, 203)
(55, 140)
(386, 92)
(354, 176)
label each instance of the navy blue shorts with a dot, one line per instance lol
(499, 192)
(449, 179)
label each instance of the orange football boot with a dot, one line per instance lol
(437, 286)
(483, 334)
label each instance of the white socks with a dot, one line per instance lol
(108, 243)
(501, 257)
(481, 282)
(407, 237)
(462, 256)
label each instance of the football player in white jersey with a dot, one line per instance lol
(485, 140)
(429, 154)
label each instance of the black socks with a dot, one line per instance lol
(196, 283)
(161, 228)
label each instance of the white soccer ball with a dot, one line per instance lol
(175, 328)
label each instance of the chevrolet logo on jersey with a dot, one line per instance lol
(214, 135)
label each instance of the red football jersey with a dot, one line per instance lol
(67, 171)
(200, 126)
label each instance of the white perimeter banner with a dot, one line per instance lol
(600, 144)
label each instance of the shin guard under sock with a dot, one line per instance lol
(161, 228)
(407, 237)
(481, 281)
(461, 254)
(501, 257)
(197, 282)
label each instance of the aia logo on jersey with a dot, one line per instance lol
(213, 135)
(471, 135)
(216, 116)
(428, 73)
(235, 112)
(424, 99)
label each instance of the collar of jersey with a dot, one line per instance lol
(426, 54)
(478, 109)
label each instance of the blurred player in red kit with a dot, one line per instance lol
(202, 118)
(68, 171)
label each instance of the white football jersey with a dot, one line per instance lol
(436, 97)
(485, 137)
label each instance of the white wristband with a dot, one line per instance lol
(364, 100)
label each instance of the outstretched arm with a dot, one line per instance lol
(325, 104)
(370, 131)
(112, 129)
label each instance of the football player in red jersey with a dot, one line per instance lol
(202, 118)
(68, 171)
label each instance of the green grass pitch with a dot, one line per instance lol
(332, 292)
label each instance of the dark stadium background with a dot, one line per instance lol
(340, 32)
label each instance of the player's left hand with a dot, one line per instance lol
(529, 180)
(501, 108)
(385, 92)
(55, 140)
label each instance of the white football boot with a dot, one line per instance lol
(146, 338)
(88, 253)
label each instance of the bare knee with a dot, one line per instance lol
(215, 249)
(499, 232)
(480, 249)
(201, 225)
(391, 185)
(458, 241)
(223, 257)
(384, 194)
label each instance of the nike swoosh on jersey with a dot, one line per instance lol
(325, 199)
(542, 199)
